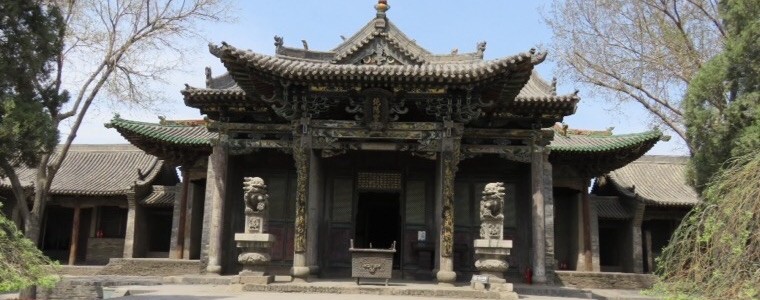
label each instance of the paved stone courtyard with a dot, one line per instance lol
(185, 292)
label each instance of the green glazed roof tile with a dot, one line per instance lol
(178, 134)
(601, 142)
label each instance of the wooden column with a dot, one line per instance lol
(537, 214)
(637, 257)
(648, 247)
(314, 211)
(446, 173)
(131, 235)
(302, 158)
(74, 235)
(181, 230)
(216, 191)
(588, 264)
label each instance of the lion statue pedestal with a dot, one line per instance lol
(254, 243)
(491, 249)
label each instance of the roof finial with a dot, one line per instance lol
(381, 7)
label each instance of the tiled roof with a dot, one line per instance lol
(161, 196)
(224, 81)
(390, 35)
(600, 142)
(657, 180)
(98, 170)
(247, 62)
(536, 87)
(593, 153)
(610, 208)
(536, 97)
(177, 134)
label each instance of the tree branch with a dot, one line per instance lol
(639, 87)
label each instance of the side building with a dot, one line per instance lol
(107, 201)
(639, 206)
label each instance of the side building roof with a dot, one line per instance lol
(177, 142)
(98, 170)
(655, 180)
(593, 153)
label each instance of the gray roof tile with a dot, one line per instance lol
(658, 180)
(160, 196)
(610, 208)
(101, 170)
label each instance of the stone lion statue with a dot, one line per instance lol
(492, 204)
(256, 194)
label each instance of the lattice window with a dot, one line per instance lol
(379, 181)
(415, 202)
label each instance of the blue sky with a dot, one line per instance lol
(509, 27)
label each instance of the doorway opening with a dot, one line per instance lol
(378, 222)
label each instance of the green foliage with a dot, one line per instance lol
(722, 103)
(30, 45)
(21, 263)
(715, 253)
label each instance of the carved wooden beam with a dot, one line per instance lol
(248, 127)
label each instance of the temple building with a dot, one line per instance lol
(378, 140)
(639, 206)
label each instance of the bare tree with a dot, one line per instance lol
(645, 51)
(114, 49)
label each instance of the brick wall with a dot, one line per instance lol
(100, 250)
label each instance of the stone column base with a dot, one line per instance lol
(214, 269)
(446, 278)
(300, 274)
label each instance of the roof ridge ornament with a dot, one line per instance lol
(480, 49)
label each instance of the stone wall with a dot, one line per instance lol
(151, 267)
(100, 250)
(605, 280)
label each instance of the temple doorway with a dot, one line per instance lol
(378, 221)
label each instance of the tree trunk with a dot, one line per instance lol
(41, 187)
(18, 190)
